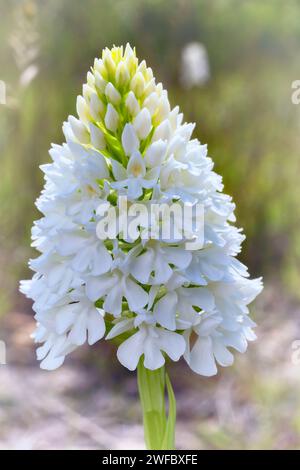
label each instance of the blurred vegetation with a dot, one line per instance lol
(244, 111)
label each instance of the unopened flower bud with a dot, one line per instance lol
(87, 91)
(97, 137)
(100, 68)
(100, 82)
(150, 87)
(108, 62)
(111, 118)
(122, 74)
(82, 109)
(142, 123)
(97, 108)
(112, 94)
(142, 67)
(132, 104)
(79, 130)
(130, 59)
(137, 84)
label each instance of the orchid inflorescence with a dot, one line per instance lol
(154, 295)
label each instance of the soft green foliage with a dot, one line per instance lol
(244, 112)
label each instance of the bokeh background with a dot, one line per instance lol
(229, 64)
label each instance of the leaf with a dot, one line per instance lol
(169, 437)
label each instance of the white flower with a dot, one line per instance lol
(146, 287)
(152, 266)
(182, 301)
(79, 130)
(114, 288)
(89, 254)
(67, 326)
(135, 177)
(207, 348)
(213, 342)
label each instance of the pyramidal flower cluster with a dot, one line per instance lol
(157, 297)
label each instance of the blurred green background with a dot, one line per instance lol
(243, 111)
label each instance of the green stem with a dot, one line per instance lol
(159, 429)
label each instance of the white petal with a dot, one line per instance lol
(172, 343)
(237, 341)
(165, 311)
(96, 106)
(70, 243)
(221, 353)
(162, 270)
(120, 327)
(79, 130)
(65, 318)
(155, 154)
(153, 356)
(208, 324)
(142, 266)
(130, 351)
(136, 297)
(132, 104)
(43, 350)
(95, 326)
(201, 357)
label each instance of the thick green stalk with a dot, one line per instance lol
(159, 429)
